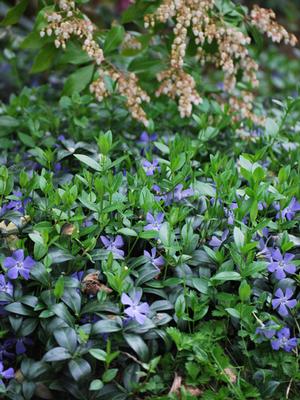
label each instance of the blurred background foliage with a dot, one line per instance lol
(279, 69)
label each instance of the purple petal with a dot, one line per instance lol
(291, 303)
(150, 218)
(215, 242)
(275, 303)
(284, 333)
(290, 268)
(106, 242)
(19, 255)
(12, 273)
(280, 274)
(28, 263)
(159, 262)
(20, 348)
(289, 293)
(288, 257)
(9, 262)
(279, 293)
(276, 255)
(125, 299)
(140, 318)
(153, 252)
(283, 311)
(130, 312)
(143, 308)
(25, 273)
(147, 254)
(137, 297)
(8, 374)
(149, 227)
(275, 344)
(118, 242)
(160, 217)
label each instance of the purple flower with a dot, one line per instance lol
(4, 347)
(158, 261)
(159, 195)
(179, 194)
(113, 244)
(17, 265)
(284, 301)
(149, 167)
(261, 205)
(88, 221)
(284, 341)
(230, 216)
(266, 330)
(5, 373)
(290, 211)
(147, 139)
(57, 167)
(281, 264)
(20, 345)
(3, 210)
(154, 223)
(6, 287)
(18, 205)
(61, 138)
(78, 275)
(135, 310)
(215, 242)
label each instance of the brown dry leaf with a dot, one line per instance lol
(229, 372)
(68, 229)
(43, 392)
(176, 384)
(8, 229)
(19, 377)
(193, 391)
(92, 285)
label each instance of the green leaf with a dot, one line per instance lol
(98, 354)
(79, 368)
(26, 139)
(59, 287)
(90, 162)
(96, 384)
(43, 59)
(74, 54)
(244, 291)
(113, 39)
(127, 232)
(14, 14)
(20, 309)
(67, 338)
(142, 65)
(233, 312)
(226, 276)
(106, 326)
(239, 237)
(79, 80)
(62, 312)
(109, 375)
(138, 345)
(57, 354)
(200, 284)
(204, 189)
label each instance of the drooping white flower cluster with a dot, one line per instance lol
(231, 52)
(68, 22)
(264, 20)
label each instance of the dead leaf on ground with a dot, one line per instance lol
(92, 285)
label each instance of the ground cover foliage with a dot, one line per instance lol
(156, 262)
